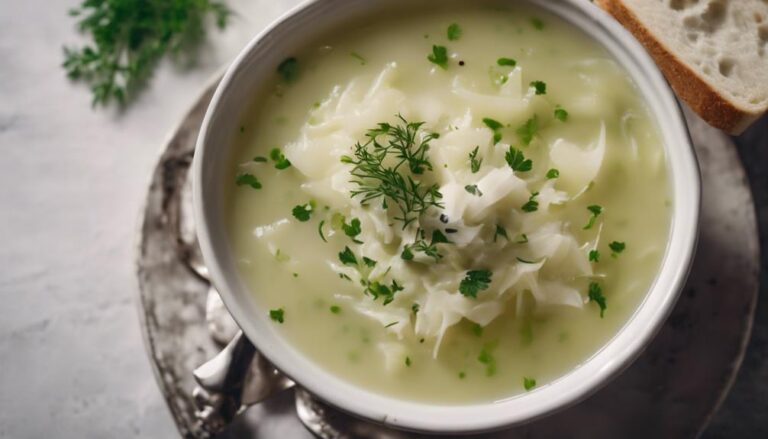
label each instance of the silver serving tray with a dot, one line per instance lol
(672, 390)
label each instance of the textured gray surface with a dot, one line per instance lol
(72, 182)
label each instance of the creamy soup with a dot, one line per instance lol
(449, 205)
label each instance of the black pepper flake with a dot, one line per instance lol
(461, 63)
(443, 218)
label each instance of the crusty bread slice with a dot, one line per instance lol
(714, 53)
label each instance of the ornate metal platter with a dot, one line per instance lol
(672, 390)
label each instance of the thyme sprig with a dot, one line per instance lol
(385, 166)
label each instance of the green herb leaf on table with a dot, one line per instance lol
(439, 56)
(474, 282)
(128, 39)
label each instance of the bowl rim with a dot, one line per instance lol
(613, 357)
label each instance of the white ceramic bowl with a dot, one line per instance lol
(301, 26)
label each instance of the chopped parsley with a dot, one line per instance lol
(474, 162)
(500, 231)
(528, 130)
(260, 159)
(553, 173)
(517, 161)
(454, 32)
(531, 205)
(359, 58)
(277, 315)
(335, 309)
(370, 263)
(304, 211)
(594, 256)
(377, 177)
(495, 126)
(415, 308)
(473, 189)
(320, 230)
(439, 56)
(561, 114)
(477, 330)
(420, 245)
(596, 295)
(247, 179)
(347, 257)
(289, 69)
(617, 247)
(529, 383)
(537, 23)
(407, 361)
(486, 357)
(506, 62)
(352, 229)
(540, 87)
(387, 293)
(595, 211)
(280, 161)
(462, 375)
(474, 282)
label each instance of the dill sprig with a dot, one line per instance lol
(385, 166)
(129, 37)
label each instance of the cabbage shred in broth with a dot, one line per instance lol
(538, 226)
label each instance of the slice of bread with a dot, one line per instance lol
(714, 53)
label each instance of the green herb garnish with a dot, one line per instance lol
(347, 257)
(439, 56)
(289, 69)
(540, 87)
(529, 383)
(277, 315)
(473, 189)
(486, 357)
(596, 295)
(387, 293)
(528, 130)
(617, 247)
(506, 62)
(304, 211)
(454, 32)
(553, 173)
(401, 145)
(594, 256)
(415, 308)
(531, 205)
(407, 361)
(477, 330)
(249, 180)
(370, 263)
(474, 162)
(359, 58)
(537, 23)
(595, 211)
(390, 324)
(420, 245)
(495, 126)
(280, 161)
(129, 38)
(260, 159)
(475, 281)
(320, 230)
(517, 161)
(352, 229)
(335, 309)
(500, 231)
(561, 114)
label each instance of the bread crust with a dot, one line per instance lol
(687, 84)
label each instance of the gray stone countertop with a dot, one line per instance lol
(72, 183)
